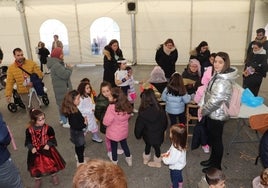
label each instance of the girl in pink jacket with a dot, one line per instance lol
(116, 120)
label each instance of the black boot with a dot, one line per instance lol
(206, 163)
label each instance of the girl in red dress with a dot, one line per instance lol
(43, 158)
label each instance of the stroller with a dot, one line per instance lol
(13, 107)
(3, 77)
(17, 102)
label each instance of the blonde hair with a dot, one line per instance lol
(178, 136)
(98, 173)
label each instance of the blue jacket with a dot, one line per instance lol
(4, 141)
(175, 104)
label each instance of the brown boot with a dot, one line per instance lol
(155, 163)
(146, 158)
(55, 179)
(37, 183)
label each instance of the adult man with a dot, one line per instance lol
(15, 74)
(56, 43)
(259, 38)
(9, 174)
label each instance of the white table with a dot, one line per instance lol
(242, 121)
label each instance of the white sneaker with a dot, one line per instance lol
(120, 151)
(61, 122)
(135, 110)
(66, 125)
(205, 148)
(109, 154)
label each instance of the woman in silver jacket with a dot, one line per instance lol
(218, 92)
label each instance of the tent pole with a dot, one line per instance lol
(134, 46)
(250, 23)
(21, 9)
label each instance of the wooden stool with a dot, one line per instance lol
(189, 117)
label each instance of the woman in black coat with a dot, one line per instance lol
(111, 53)
(150, 125)
(166, 57)
(255, 68)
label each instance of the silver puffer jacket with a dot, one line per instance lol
(219, 91)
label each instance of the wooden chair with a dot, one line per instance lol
(190, 117)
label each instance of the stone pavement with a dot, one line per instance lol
(238, 165)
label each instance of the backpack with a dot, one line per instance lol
(235, 103)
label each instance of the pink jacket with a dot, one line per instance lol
(205, 80)
(117, 124)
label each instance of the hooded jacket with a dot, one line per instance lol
(60, 77)
(219, 91)
(151, 125)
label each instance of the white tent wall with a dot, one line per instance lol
(222, 23)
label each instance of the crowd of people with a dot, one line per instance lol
(207, 80)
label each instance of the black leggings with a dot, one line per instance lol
(156, 149)
(80, 153)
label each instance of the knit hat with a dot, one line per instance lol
(56, 52)
(196, 62)
(157, 75)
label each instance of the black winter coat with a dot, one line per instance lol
(151, 125)
(264, 149)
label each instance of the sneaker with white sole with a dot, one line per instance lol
(135, 110)
(109, 154)
(205, 148)
(61, 122)
(66, 125)
(120, 151)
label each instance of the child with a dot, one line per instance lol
(214, 178)
(86, 80)
(192, 76)
(175, 96)
(175, 157)
(43, 158)
(99, 173)
(262, 180)
(116, 120)
(87, 107)
(151, 124)
(131, 93)
(200, 130)
(77, 123)
(121, 76)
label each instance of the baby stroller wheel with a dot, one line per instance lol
(12, 107)
(3, 81)
(45, 100)
(22, 105)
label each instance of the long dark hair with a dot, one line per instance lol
(68, 107)
(176, 86)
(226, 60)
(148, 99)
(120, 100)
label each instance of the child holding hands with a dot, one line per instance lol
(43, 158)
(175, 157)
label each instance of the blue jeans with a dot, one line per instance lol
(176, 178)
(124, 146)
(9, 175)
(63, 118)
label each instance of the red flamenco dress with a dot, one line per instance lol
(43, 162)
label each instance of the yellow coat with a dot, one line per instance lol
(16, 75)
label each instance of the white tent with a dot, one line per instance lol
(227, 25)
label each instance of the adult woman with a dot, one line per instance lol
(60, 77)
(166, 57)
(201, 53)
(43, 54)
(111, 53)
(255, 68)
(218, 92)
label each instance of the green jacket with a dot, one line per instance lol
(100, 109)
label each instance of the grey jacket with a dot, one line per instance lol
(60, 77)
(218, 92)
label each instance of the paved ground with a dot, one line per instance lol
(238, 165)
